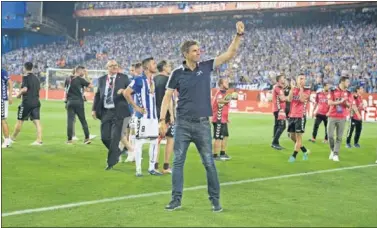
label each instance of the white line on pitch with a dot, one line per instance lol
(52, 208)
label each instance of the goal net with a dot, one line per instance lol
(55, 80)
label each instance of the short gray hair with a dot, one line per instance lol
(185, 46)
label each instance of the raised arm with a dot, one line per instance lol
(303, 96)
(290, 95)
(232, 50)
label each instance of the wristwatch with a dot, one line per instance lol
(240, 34)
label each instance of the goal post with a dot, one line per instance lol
(55, 79)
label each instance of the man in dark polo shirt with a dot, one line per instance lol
(192, 80)
(30, 106)
(75, 102)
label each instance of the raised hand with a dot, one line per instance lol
(240, 27)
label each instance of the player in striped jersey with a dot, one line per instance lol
(145, 111)
(135, 71)
(6, 99)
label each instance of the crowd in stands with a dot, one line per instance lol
(344, 45)
(131, 5)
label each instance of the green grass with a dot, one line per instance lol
(55, 174)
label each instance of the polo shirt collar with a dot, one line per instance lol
(186, 68)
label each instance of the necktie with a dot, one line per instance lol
(109, 94)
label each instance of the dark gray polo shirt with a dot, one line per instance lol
(194, 87)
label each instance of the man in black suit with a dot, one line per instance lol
(111, 108)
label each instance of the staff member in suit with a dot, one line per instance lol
(111, 108)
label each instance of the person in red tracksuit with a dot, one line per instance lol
(356, 119)
(278, 108)
(321, 111)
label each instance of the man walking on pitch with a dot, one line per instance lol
(279, 110)
(161, 80)
(193, 82)
(321, 111)
(340, 99)
(356, 121)
(75, 102)
(298, 97)
(220, 113)
(145, 111)
(111, 108)
(30, 106)
(6, 99)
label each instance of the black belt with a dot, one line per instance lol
(193, 119)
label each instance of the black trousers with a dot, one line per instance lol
(76, 108)
(279, 128)
(354, 124)
(111, 132)
(318, 120)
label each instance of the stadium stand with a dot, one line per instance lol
(321, 46)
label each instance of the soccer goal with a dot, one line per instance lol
(55, 79)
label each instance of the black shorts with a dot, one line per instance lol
(296, 125)
(26, 112)
(220, 130)
(170, 131)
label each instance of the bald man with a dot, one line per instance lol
(111, 108)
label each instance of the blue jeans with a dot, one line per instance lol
(197, 131)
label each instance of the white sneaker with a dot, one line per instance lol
(335, 158)
(6, 143)
(36, 143)
(130, 158)
(92, 136)
(163, 142)
(75, 138)
(331, 155)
